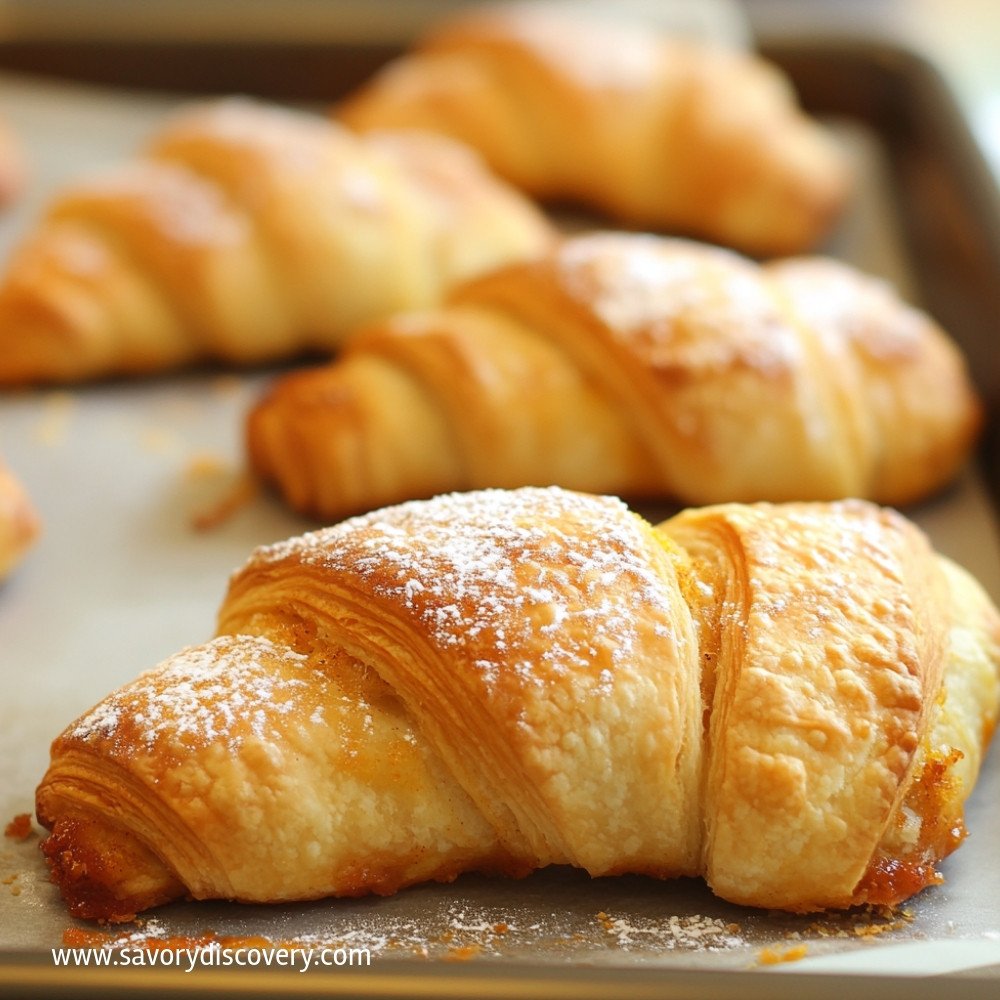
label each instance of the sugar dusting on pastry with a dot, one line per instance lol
(662, 296)
(842, 304)
(582, 51)
(500, 570)
(203, 693)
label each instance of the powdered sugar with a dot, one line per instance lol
(671, 933)
(513, 576)
(222, 690)
(678, 304)
(468, 930)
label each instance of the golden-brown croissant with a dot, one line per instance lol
(248, 232)
(793, 701)
(655, 132)
(19, 522)
(634, 365)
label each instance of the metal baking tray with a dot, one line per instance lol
(125, 472)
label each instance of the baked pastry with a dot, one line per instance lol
(791, 700)
(634, 365)
(246, 233)
(19, 522)
(655, 132)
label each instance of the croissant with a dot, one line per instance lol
(792, 701)
(19, 522)
(246, 233)
(635, 365)
(655, 132)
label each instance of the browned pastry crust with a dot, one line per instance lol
(19, 522)
(634, 365)
(656, 132)
(793, 701)
(248, 232)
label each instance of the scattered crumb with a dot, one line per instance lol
(10, 879)
(869, 922)
(693, 932)
(19, 828)
(462, 932)
(236, 489)
(56, 413)
(463, 953)
(768, 956)
(459, 933)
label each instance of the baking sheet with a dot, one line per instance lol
(121, 578)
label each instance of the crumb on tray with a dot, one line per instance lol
(235, 489)
(239, 495)
(769, 956)
(19, 828)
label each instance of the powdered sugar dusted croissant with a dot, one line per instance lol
(791, 700)
(248, 232)
(19, 522)
(633, 365)
(657, 132)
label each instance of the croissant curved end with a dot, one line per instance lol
(103, 872)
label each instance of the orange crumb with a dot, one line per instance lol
(19, 828)
(244, 490)
(873, 930)
(76, 937)
(769, 956)
(500, 928)
(463, 953)
(10, 879)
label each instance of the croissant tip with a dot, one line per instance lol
(97, 884)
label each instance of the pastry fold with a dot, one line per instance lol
(247, 233)
(633, 365)
(655, 132)
(791, 700)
